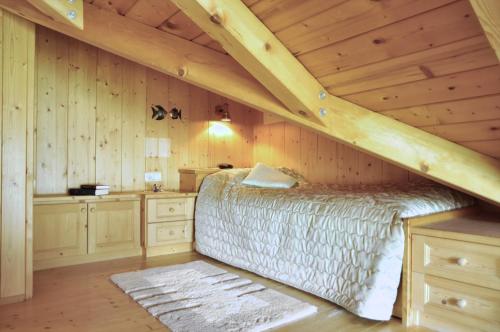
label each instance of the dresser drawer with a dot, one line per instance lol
(474, 263)
(440, 303)
(166, 233)
(170, 209)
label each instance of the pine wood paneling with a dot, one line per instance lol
(319, 159)
(348, 19)
(490, 148)
(280, 14)
(464, 55)
(424, 31)
(198, 127)
(151, 12)
(207, 41)
(133, 123)
(17, 90)
(425, 63)
(178, 94)
(52, 111)
(465, 110)
(118, 6)
(469, 131)
(81, 114)
(109, 121)
(469, 84)
(157, 94)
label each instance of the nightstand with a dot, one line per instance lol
(168, 219)
(191, 178)
(456, 274)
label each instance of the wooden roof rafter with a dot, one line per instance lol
(488, 13)
(257, 49)
(68, 12)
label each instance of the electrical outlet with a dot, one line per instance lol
(152, 176)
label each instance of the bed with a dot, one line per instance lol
(342, 243)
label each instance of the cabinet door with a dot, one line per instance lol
(114, 226)
(59, 230)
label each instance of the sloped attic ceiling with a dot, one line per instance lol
(425, 63)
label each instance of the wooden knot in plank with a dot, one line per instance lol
(216, 19)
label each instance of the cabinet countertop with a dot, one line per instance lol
(114, 196)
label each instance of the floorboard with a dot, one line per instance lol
(82, 298)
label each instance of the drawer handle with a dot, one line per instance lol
(461, 303)
(92, 210)
(462, 261)
(83, 210)
(172, 210)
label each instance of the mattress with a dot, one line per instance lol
(342, 243)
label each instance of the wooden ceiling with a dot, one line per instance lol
(426, 63)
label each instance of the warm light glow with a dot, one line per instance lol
(220, 129)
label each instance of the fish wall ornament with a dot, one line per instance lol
(159, 113)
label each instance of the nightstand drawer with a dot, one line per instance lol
(160, 234)
(170, 209)
(474, 263)
(443, 303)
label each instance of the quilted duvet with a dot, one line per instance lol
(344, 244)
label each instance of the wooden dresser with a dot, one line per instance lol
(456, 274)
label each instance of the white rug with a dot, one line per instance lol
(198, 296)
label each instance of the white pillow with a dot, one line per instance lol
(268, 177)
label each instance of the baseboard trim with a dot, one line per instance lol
(170, 249)
(12, 299)
(90, 258)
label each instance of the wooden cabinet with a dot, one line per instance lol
(93, 229)
(168, 224)
(455, 283)
(60, 230)
(113, 226)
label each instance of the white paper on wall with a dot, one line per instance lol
(151, 150)
(164, 147)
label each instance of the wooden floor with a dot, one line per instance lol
(81, 298)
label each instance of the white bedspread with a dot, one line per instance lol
(344, 244)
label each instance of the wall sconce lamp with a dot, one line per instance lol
(159, 113)
(223, 111)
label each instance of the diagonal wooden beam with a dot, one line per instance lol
(64, 11)
(488, 13)
(258, 50)
(249, 41)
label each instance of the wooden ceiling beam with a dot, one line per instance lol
(163, 52)
(67, 12)
(488, 13)
(254, 46)
(249, 41)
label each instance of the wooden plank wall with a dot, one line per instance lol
(93, 119)
(17, 55)
(319, 159)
